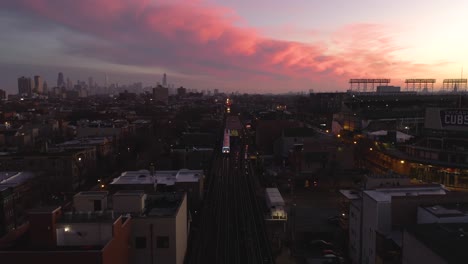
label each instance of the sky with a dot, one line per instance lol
(253, 46)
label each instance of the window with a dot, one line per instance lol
(140, 242)
(162, 241)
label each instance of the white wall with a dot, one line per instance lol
(355, 231)
(181, 232)
(85, 203)
(129, 203)
(81, 234)
(173, 227)
(369, 226)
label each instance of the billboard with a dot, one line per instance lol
(455, 119)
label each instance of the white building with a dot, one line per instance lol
(189, 181)
(159, 228)
(90, 201)
(370, 215)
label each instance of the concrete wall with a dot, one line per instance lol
(414, 252)
(174, 227)
(181, 233)
(129, 203)
(118, 250)
(85, 203)
(355, 231)
(369, 226)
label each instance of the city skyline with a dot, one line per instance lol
(246, 46)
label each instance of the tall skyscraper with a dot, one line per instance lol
(164, 80)
(90, 82)
(24, 86)
(45, 88)
(38, 84)
(69, 84)
(60, 80)
(2, 94)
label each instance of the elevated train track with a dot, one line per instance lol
(232, 228)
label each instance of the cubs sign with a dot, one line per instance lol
(447, 119)
(454, 117)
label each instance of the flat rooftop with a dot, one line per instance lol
(14, 178)
(448, 210)
(350, 194)
(101, 194)
(159, 177)
(86, 141)
(274, 196)
(163, 204)
(386, 194)
(137, 193)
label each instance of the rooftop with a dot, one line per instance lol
(137, 193)
(386, 194)
(101, 194)
(135, 177)
(85, 141)
(274, 197)
(163, 204)
(350, 194)
(449, 241)
(448, 210)
(159, 177)
(14, 178)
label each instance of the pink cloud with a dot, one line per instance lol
(194, 37)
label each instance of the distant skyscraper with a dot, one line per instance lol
(181, 91)
(2, 94)
(216, 91)
(69, 84)
(38, 84)
(24, 86)
(60, 80)
(164, 80)
(161, 94)
(90, 82)
(45, 89)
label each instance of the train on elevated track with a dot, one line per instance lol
(226, 142)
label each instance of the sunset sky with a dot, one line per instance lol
(250, 46)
